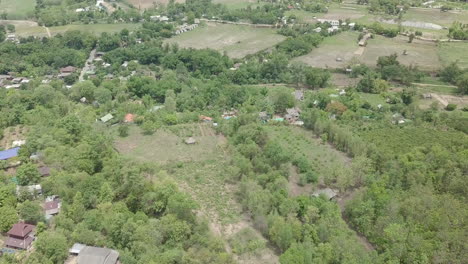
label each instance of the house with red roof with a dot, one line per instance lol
(129, 118)
(20, 236)
(52, 206)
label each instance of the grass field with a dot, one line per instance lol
(341, 46)
(435, 16)
(454, 51)
(91, 28)
(17, 9)
(434, 85)
(420, 53)
(344, 46)
(237, 41)
(167, 145)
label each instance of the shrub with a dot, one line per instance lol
(123, 130)
(451, 107)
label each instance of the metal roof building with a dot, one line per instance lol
(96, 255)
(9, 153)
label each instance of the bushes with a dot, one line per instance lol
(451, 107)
(246, 241)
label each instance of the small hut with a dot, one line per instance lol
(190, 141)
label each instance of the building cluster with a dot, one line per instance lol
(100, 5)
(159, 18)
(22, 235)
(184, 28)
(9, 81)
(335, 25)
(12, 38)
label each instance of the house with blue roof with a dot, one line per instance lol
(9, 153)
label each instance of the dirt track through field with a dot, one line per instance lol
(359, 51)
(48, 31)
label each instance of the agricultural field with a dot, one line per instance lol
(96, 29)
(238, 41)
(343, 45)
(17, 9)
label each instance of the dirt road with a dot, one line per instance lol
(88, 64)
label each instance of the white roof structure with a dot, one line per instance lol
(96, 255)
(107, 118)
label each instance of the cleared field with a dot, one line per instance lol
(420, 53)
(17, 9)
(435, 16)
(341, 46)
(91, 28)
(344, 46)
(142, 4)
(454, 51)
(167, 146)
(238, 41)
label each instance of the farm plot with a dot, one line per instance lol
(167, 144)
(238, 41)
(331, 50)
(17, 9)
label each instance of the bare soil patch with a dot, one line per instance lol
(11, 134)
(343, 80)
